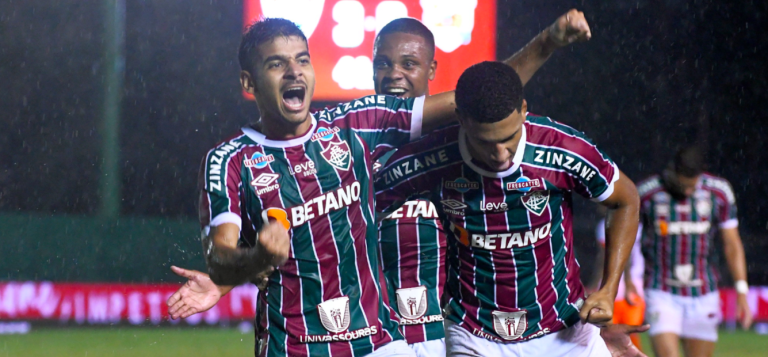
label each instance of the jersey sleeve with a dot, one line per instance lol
(593, 173)
(725, 204)
(219, 186)
(383, 122)
(395, 185)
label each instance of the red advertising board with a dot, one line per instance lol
(144, 304)
(341, 35)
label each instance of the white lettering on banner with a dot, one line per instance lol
(556, 159)
(415, 209)
(509, 240)
(414, 164)
(323, 204)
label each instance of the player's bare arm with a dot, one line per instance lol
(737, 265)
(230, 265)
(569, 28)
(620, 231)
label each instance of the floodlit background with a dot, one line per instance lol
(107, 107)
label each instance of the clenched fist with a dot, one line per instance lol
(569, 28)
(275, 243)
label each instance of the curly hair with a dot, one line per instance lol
(263, 31)
(488, 92)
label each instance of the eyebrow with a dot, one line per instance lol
(283, 58)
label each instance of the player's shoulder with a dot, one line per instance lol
(718, 185)
(546, 131)
(231, 145)
(649, 186)
(373, 101)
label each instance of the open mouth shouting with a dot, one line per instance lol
(294, 97)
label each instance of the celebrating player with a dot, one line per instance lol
(503, 182)
(680, 209)
(405, 65)
(413, 243)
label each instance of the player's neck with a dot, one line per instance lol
(279, 129)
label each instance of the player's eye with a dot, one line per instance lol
(304, 60)
(272, 65)
(409, 64)
(381, 64)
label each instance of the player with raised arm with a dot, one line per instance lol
(297, 188)
(502, 181)
(682, 209)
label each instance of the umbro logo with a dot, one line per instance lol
(265, 179)
(453, 204)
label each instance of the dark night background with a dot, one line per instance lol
(656, 75)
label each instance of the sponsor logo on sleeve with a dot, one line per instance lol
(523, 184)
(570, 163)
(338, 155)
(462, 185)
(258, 161)
(510, 325)
(536, 201)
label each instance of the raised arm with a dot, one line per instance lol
(568, 28)
(737, 265)
(620, 232)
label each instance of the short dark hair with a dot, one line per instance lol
(488, 92)
(689, 161)
(410, 26)
(263, 31)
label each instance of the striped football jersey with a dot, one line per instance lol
(678, 234)
(512, 272)
(327, 298)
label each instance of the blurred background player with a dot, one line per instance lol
(629, 307)
(681, 210)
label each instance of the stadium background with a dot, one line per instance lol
(656, 74)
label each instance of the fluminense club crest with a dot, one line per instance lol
(338, 155)
(536, 201)
(510, 325)
(334, 314)
(412, 302)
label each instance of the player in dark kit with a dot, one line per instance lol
(682, 209)
(502, 181)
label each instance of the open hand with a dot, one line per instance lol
(198, 294)
(617, 339)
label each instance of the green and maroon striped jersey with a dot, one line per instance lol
(512, 272)
(327, 298)
(413, 247)
(678, 234)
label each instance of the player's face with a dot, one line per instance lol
(402, 65)
(494, 144)
(282, 80)
(687, 185)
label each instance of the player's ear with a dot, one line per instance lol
(432, 70)
(247, 82)
(524, 108)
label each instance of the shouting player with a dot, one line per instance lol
(681, 210)
(405, 64)
(503, 182)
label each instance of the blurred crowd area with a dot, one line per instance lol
(656, 75)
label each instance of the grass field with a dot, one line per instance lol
(188, 342)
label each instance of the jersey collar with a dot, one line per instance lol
(262, 140)
(516, 160)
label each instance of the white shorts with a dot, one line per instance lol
(578, 340)
(688, 317)
(433, 348)
(393, 349)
